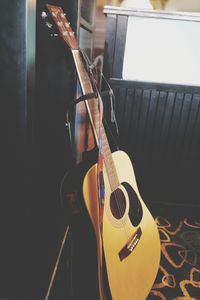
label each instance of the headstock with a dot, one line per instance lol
(62, 25)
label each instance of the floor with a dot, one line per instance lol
(179, 272)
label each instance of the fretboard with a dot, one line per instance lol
(92, 108)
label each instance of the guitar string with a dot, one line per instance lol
(90, 67)
(115, 187)
(115, 191)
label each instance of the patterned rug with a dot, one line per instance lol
(179, 272)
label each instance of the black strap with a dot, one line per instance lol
(85, 97)
(90, 96)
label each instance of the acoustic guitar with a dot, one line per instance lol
(127, 238)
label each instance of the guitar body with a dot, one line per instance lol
(130, 238)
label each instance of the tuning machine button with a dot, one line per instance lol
(48, 24)
(44, 15)
(54, 34)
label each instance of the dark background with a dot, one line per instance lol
(159, 128)
(34, 150)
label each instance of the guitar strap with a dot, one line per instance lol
(100, 178)
(98, 95)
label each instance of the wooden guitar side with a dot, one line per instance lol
(132, 277)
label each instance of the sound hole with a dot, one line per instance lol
(117, 204)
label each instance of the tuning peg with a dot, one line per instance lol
(44, 15)
(48, 24)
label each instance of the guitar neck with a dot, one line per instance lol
(92, 108)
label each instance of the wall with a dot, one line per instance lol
(34, 151)
(158, 124)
